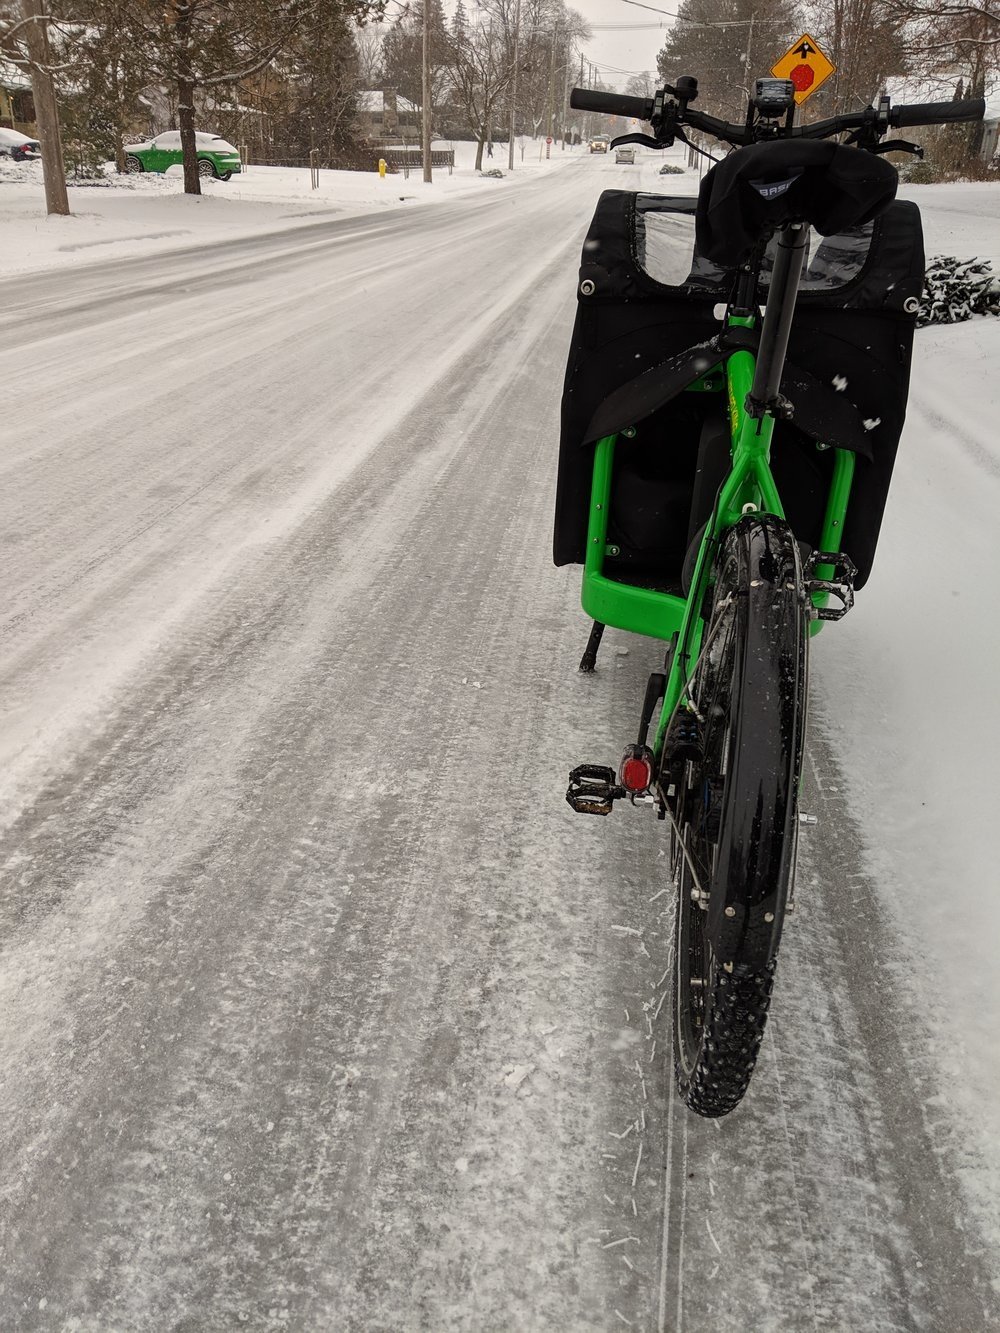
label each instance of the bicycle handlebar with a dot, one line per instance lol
(642, 108)
(937, 113)
(611, 104)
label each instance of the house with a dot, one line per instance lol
(17, 106)
(383, 115)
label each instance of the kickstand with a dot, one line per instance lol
(589, 659)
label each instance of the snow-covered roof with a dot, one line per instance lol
(373, 100)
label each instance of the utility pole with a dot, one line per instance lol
(36, 39)
(584, 127)
(552, 90)
(425, 117)
(565, 101)
(513, 86)
(589, 83)
(746, 63)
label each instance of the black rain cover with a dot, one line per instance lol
(760, 188)
(849, 365)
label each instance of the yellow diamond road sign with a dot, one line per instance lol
(806, 66)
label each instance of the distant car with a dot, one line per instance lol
(19, 146)
(625, 154)
(598, 145)
(216, 156)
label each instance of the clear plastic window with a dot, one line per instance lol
(665, 250)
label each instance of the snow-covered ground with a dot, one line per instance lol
(319, 1008)
(145, 214)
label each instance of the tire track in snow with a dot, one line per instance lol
(263, 482)
(219, 790)
(827, 1200)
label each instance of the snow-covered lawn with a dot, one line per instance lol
(135, 215)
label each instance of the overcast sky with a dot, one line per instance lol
(626, 38)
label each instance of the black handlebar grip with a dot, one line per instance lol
(611, 104)
(937, 113)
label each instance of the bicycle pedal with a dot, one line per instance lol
(839, 585)
(593, 789)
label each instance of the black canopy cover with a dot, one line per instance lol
(646, 329)
(766, 185)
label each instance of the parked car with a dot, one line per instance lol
(598, 145)
(625, 154)
(216, 156)
(19, 146)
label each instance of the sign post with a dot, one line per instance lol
(807, 67)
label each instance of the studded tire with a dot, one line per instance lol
(736, 812)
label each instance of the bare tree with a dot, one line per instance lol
(864, 39)
(481, 69)
(641, 85)
(550, 35)
(368, 41)
(24, 40)
(957, 45)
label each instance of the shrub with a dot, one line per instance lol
(920, 173)
(956, 289)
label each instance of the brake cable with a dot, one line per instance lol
(679, 134)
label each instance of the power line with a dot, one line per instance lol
(613, 69)
(692, 23)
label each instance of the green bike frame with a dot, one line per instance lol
(750, 485)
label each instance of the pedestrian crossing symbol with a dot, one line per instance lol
(806, 66)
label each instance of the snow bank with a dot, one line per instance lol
(139, 215)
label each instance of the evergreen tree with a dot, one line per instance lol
(727, 45)
(402, 53)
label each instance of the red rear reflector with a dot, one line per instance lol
(637, 774)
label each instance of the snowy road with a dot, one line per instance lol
(320, 1010)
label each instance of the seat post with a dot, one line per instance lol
(778, 314)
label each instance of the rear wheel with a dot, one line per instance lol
(736, 812)
(132, 164)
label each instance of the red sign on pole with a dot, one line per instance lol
(548, 138)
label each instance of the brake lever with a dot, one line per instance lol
(646, 139)
(899, 146)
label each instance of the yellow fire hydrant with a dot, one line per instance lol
(383, 166)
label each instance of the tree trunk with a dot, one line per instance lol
(43, 91)
(426, 109)
(185, 97)
(117, 132)
(479, 148)
(977, 128)
(185, 123)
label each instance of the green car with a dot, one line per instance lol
(216, 157)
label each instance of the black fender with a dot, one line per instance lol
(756, 853)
